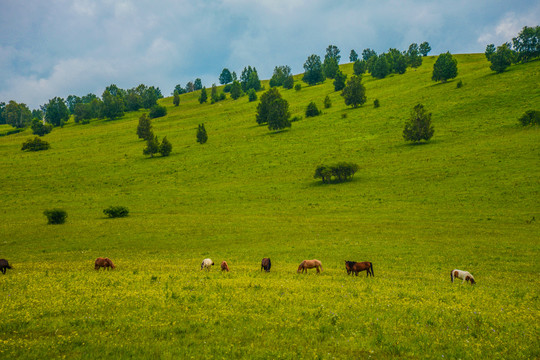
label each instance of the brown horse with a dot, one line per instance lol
(104, 263)
(266, 264)
(224, 266)
(356, 267)
(310, 264)
(4, 265)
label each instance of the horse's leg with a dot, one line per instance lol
(4, 270)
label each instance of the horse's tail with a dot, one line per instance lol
(452, 276)
(269, 264)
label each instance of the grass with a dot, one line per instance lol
(466, 200)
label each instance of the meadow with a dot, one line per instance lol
(468, 199)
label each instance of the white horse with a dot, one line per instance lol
(206, 263)
(464, 275)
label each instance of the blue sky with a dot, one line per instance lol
(57, 48)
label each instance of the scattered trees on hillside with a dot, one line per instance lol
(341, 172)
(273, 110)
(165, 147)
(354, 93)
(490, 50)
(197, 84)
(152, 146)
(313, 70)
(327, 102)
(176, 99)
(418, 127)
(359, 67)
(113, 105)
(445, 68)
(380, 68)
(331, 61)
(202, 136)
(413, 57)
(116, 211)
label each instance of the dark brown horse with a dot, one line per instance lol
(224, 266)
(4, 265)
(104, 263)
(310, 264)
(356, 267)
(266, 264)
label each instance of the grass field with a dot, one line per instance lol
(468, 199)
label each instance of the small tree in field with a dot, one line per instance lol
(55, 216)
(273, 110)
(312, 110)
(418, 127)
(531, 117)
(355, 92)
(152, 146)
(204, 96)
(502, 58)
(166, 147)
(116, 211)
(202, 137)
(144, 130)
(176, 99)
(327, 102)
(445, 68)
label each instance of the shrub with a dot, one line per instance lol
(459, 84)
(296, 118)
(144, 129)
(35, 144)
(418, 127)
(298, 87)
(312, 110)
(227, 88)
(157, 111)
(341, 172)
(166, 147)
(55, 216)
(327, 102)
(376, 103)
(116, 211)
(252, 95)
(202, 137)
(288, 83)
(531, 117)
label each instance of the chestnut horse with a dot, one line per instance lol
(310, 264)
(224, 266)
(464, 275)
(104, 263)
(266, 264)
(356, 267)
(4, 265)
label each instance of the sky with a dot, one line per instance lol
(52, 48)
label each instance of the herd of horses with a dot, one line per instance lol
(352, 267)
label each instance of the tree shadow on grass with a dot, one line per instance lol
(332, 183)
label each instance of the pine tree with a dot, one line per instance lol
(152, 146)
(144, 130)
(202, 137)
(165, 148)
(204, 96)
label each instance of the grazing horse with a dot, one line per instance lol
(464, 275)
(4, 265)
(356, 267)
(104, 263)
(310, 264)
(206, 263)
(266, 264)
(224, 266)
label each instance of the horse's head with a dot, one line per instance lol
(472, 281)
(301, 267)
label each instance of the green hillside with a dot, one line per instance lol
(468, 199)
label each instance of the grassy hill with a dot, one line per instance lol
(466, 199)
